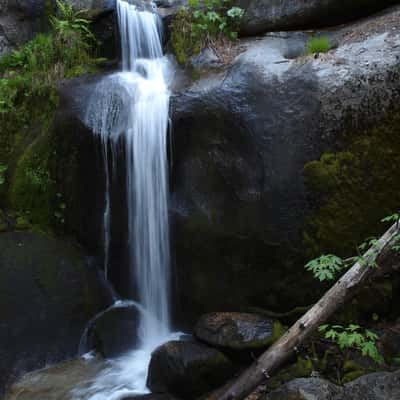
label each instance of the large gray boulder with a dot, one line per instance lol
(48, 292)
(376, 386)
(272, 15)
(242, 137)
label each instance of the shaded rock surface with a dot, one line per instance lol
(242, 137)
(235, 330)
(47, 294)
(272, 15)
(376, 386)
(187, 369)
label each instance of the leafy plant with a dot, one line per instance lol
(353, 337)
(72, 32)
(325, 267)
(392, 218)
(396, 243)
(203, 24)
(3, 169)
(321, 44)
(367, 260)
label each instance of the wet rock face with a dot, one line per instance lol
(238, 331)
(377, 386)
(47, 294)
(242, 137)
(84, 185)
(187, 369)
(114, 332)
(266, 15)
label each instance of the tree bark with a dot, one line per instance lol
(287, 345)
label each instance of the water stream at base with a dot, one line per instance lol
(130, 109)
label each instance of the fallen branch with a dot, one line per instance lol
(287, 345)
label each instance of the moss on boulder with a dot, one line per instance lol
(353, 189)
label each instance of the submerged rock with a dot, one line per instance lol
(47, 294)
(238, 331)
(187, 369)
(376, 386)
(266, 15)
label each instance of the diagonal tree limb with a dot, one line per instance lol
(334, 298)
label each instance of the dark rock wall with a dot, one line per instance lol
(47, 293)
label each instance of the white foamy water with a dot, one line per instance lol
(130, 109)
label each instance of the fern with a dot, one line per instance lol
(353, 337)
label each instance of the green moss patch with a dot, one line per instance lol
(353, 189)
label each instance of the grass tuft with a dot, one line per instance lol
(321, 44)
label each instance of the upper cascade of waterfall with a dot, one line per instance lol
(141, 34)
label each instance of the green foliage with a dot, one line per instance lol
(72, 32)
(353, 337)
(3, 169)
(39, 176)
(28, 98)
(47, 58)
(325, 267)
(396, 243)
(203, 24)
(321, 44)
(392, 218)
(352, 189)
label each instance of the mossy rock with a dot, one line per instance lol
(182, 41)
(302, 368)
(353, 189)
(32, 190)
(352, 370)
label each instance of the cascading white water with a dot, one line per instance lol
(146, 164)
(133, 106)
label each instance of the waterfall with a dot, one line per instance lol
(130, 109)
(146, 163)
